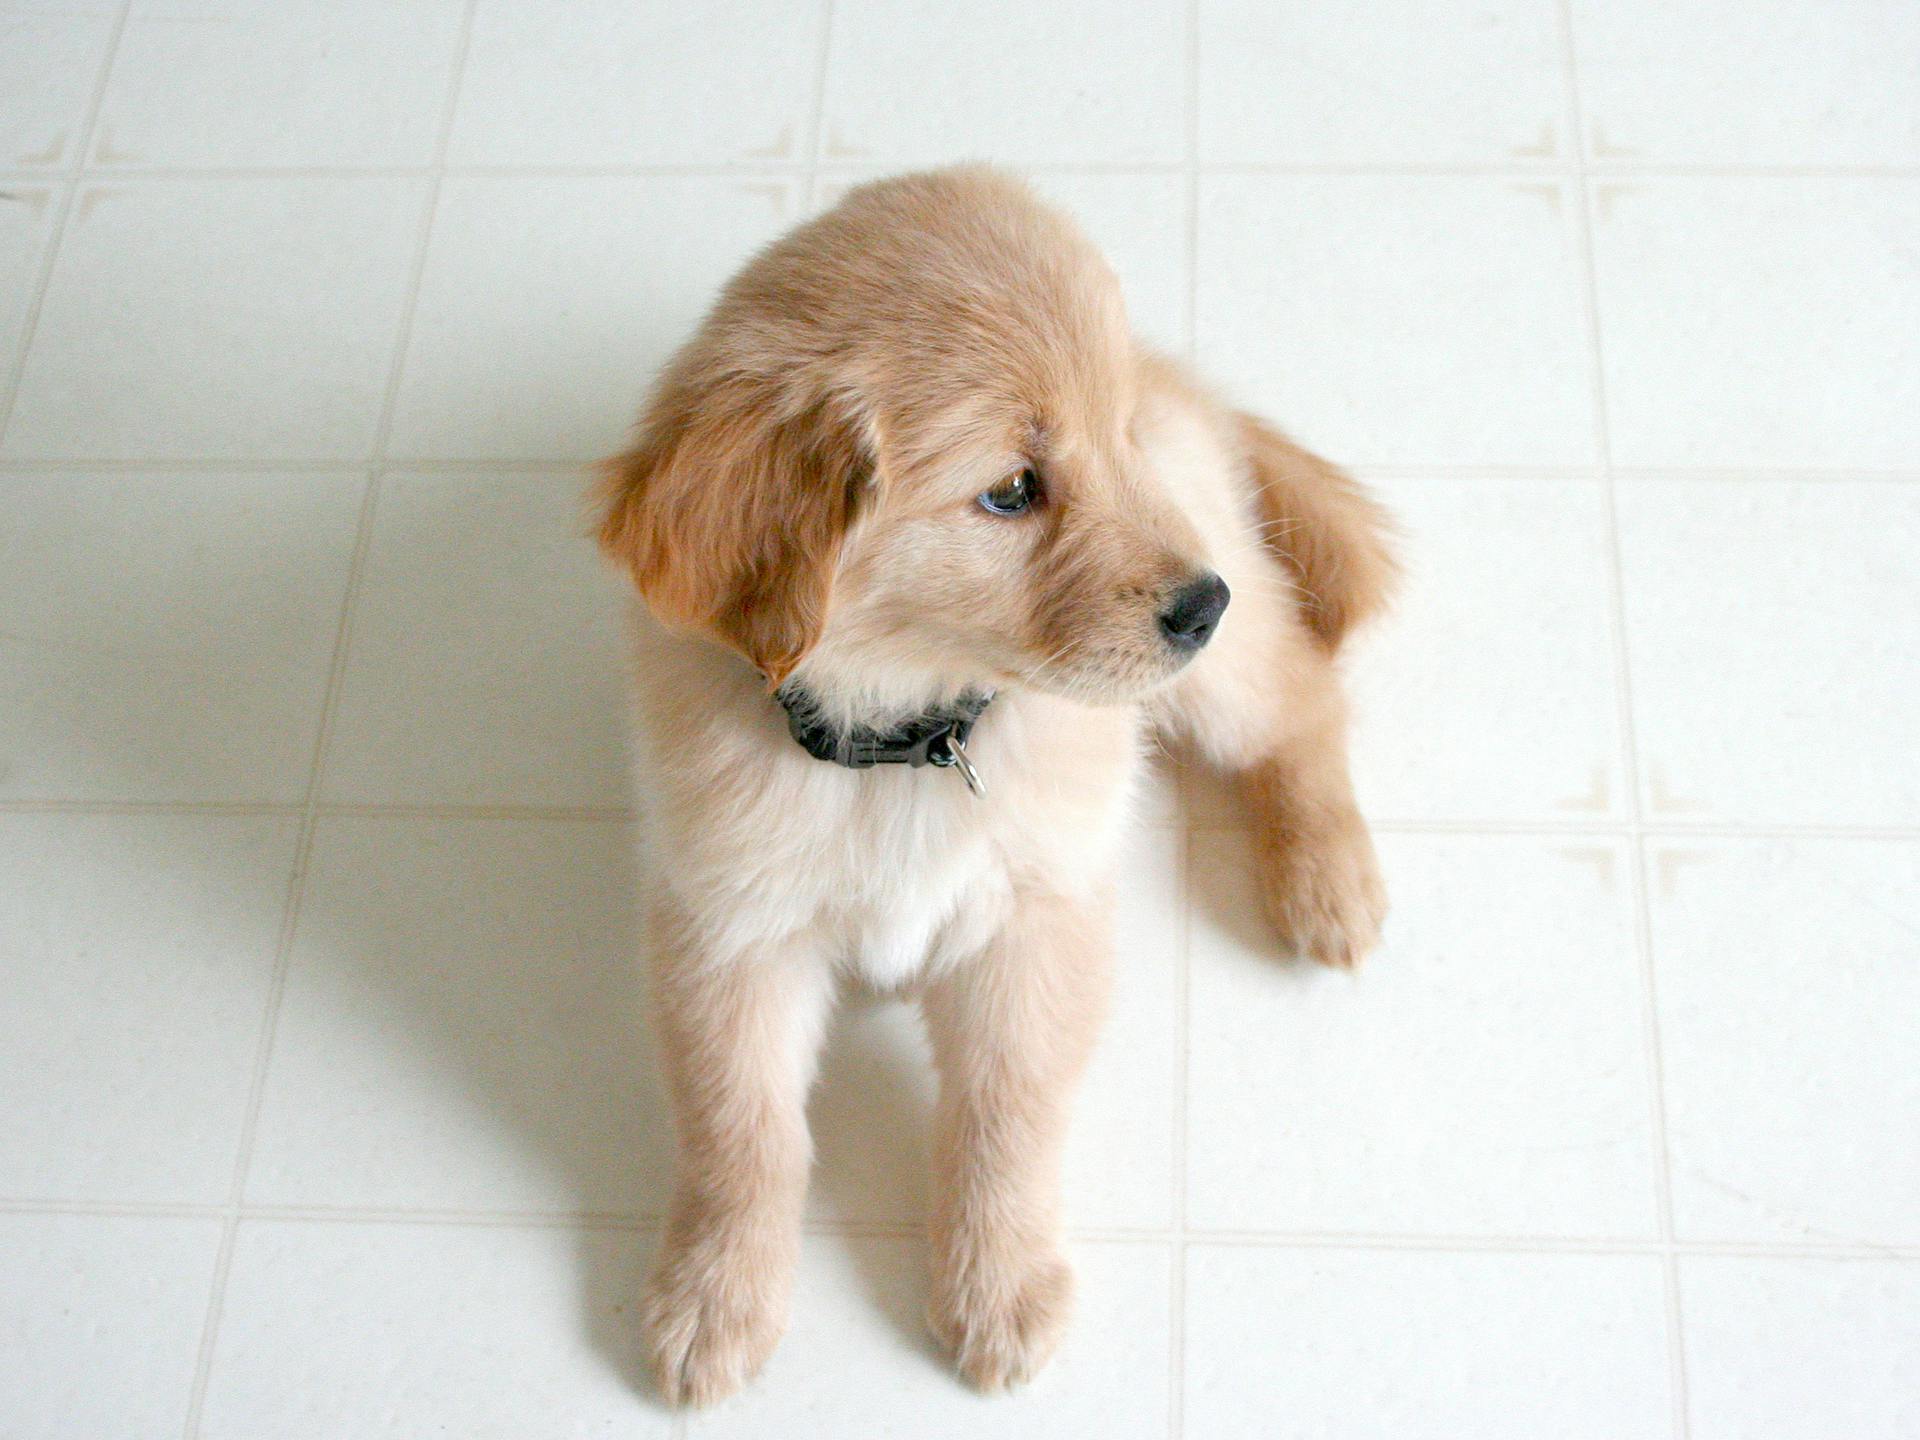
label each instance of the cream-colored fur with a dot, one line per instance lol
(800, 507)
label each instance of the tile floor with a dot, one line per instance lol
(328, 1109)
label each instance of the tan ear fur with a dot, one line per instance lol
(1330, 531)
(729, 518)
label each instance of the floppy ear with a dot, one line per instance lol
(1332, 534)
(729, 518)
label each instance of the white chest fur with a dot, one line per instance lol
(885, 871)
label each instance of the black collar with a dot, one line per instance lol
(933, 737)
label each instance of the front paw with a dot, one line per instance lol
(714, 1310)
(1003, 1318)
(1322, 890)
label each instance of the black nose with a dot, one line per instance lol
(1188, 622)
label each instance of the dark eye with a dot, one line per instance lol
(1011, 495)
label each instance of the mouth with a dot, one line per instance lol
(1085, 679)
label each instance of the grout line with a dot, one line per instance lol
(1662, 1154)
(816, 121)
(149, 807)
(1682, 1401)
(1553, 1245)
(309, 821)
(443, 136)
(1652, 474)
(1183, 921)
(1183, 1066)
(1625, 829)
(1568, 168)
(401, 811)
(1676, 473)
(141, 1209)
(68, 181)
(1389, 470)
(706, 170)
(914, 1228)
(1583, 212)
(565, 465)
(1643, 474)
(1613, 168)
(399, 465)
(1192, 174)
(613, 813)
(395, 811)
(16, 373)
(1542, 827)
(1681, 170)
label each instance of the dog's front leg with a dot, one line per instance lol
(1319, 878)
(1268, 710)
(739, 1039)
(1011, 1032)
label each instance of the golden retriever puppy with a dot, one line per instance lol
(933, 544)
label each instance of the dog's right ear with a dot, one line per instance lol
(729, 515)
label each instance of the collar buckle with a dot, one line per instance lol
(952, 752)
(937, 737)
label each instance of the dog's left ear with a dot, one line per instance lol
(729, 516)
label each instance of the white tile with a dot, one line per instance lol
(279, 82)
(1801, 1349)
(1484, 1074)
(1791, 82)
(608, 82)
(1488, 692)
(1788, 1002)
(100, 1320)
(26, 220)
(389, 1332)
(1760, 322)
(50, 59)
(232, 319)
(858, 1360)
(1428, 320)
(1441, 82)
(136, 953)
(1351, 1345)
(1771, 630)
(464, 1026)
(1062, 83)
(548, 304)
(487, 664)
(873, 1109)
(167, 637)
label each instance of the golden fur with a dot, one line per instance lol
(800, 505)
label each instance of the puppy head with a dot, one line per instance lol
(899, 453)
